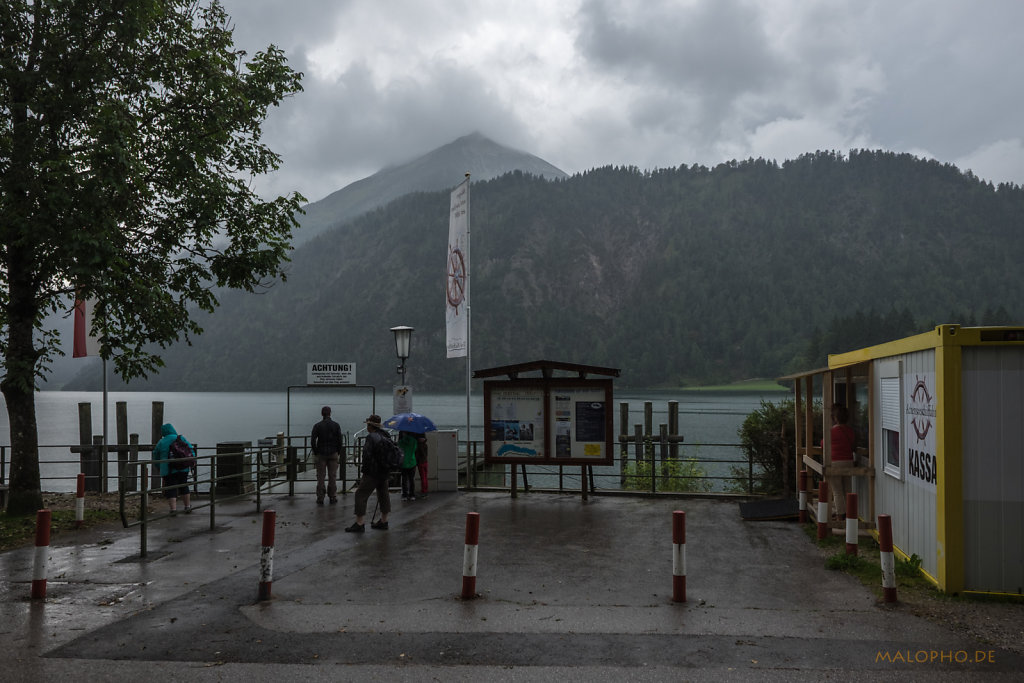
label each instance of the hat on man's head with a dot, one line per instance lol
(325, 411)
(374, 421)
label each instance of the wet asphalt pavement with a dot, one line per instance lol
(567, 589)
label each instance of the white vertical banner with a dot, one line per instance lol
(457, 281)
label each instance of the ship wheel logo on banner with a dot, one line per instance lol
(921, 401)
(456, 279)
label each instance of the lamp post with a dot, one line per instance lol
(403, 340)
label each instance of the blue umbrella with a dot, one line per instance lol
(410, 422)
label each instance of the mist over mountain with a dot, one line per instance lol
(677, 276)
(443, 168)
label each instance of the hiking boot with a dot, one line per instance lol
(319, 501)
(356, 528)
(379, 525)
(334, 501)
(188, 509)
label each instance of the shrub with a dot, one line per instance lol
(679, 475)
(768, 440)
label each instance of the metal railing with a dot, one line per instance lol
(654, 471)
(226, 474)
(699, 467)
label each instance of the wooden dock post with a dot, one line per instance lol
(157, 421)
(673, 429)
(623, 441)
(87, 456)
(121, 422)
(648, 418)
(131, 477)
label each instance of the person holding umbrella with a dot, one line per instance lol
(421, 462)
(416, 425)
(407, 442)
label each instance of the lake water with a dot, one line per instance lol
(208, 418)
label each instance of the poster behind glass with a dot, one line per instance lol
(579, 422)
(517, 423)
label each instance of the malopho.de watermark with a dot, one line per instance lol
(936, 656)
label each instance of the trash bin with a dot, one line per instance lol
(234, 468)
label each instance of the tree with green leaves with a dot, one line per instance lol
(768, 440)
(130, 131)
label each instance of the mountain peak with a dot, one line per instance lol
(442, 168)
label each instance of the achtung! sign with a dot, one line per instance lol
(330, 373)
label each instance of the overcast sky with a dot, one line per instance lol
(648, 83)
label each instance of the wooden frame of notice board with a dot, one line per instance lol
(549, 421)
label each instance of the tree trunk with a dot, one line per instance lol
(25, 495)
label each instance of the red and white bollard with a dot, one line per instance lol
(803, 497)
(80, 502)
(42, 549)
(823, 510)
(851, 523)
(888, 561)
(469, 559)
(267, 554)
(678, 556)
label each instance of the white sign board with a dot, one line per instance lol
(402, 402)
(319, 374)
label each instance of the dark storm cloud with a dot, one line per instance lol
(715, 47)
(953, 75)
(650, 83)
(349, 125)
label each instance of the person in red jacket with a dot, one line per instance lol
(843, 444)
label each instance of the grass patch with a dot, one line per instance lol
(858, 566)
(17, 531)
(866, 565)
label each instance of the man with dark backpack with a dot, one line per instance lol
(377, 455)
(175, 457)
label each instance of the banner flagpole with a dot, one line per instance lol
(469, 336)
(104, 451)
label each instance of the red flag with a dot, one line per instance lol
(85, 344)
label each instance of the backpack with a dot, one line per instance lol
(180, 451)
(392, 455)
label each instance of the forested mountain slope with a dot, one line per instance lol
(677, 276)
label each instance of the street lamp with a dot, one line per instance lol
(403, 340)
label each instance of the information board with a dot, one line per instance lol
(559, 421)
